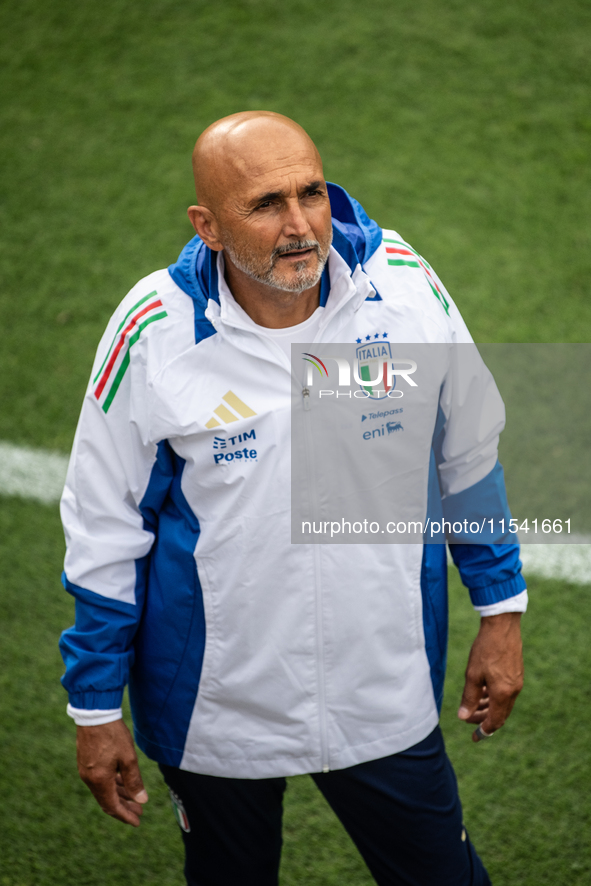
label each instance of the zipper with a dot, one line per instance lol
(320, 673)
(320, 664)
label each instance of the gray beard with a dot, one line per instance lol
(304, 279)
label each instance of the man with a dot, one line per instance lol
(250, 659)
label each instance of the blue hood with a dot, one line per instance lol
(355, 237)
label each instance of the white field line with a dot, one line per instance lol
(570, 562)
(566, 562)
(32, 473)
(40, 475)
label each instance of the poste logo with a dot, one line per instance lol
(226, 415)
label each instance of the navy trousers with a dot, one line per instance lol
(403, 812)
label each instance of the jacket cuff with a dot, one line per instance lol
(494, 593)
(93, 718)
(93, 700)
(511, 604)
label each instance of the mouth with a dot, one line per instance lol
(297, 255)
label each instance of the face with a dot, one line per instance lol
(275, 224)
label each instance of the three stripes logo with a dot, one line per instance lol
(109, 377)
(224, 413)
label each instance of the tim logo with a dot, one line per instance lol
(233, 446)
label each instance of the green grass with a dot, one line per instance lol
(544, 448)
(525, 795)
(466, 126)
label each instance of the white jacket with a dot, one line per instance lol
(246, 655)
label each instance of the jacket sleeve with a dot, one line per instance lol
(108, 540)
(465, 444)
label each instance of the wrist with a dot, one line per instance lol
(505, 624)
(501, 618)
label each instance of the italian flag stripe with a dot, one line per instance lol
(121, 325)
(113, 358)
(408, 250)
(401, 261)
(391, 249)
(125, 362)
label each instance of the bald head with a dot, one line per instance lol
(236, 150)
(264, 202)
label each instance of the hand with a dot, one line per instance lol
(108, 765)
(494, 676)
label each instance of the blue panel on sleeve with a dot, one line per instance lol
(97, 650)
(490, 572)
(485, 506)
(171, 639)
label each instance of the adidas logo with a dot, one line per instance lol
(226, 415)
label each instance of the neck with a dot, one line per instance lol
(267, 306)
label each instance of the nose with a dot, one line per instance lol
(295, 224)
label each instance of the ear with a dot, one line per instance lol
(203, 220)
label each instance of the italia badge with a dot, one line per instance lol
(179, 812)
(374, 359)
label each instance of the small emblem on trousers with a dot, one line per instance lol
(179, 812)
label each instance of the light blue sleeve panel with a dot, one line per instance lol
(488, 560)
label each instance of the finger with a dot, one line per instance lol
(480, 713)
(124, 810)
(105, 792)
(130, 803)
(500, 706)
(122, 793)
(121, 789)
(127, 813)
(481, 734)
(129, 771)
(477, 717)
(471, 697)
(132, 807)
